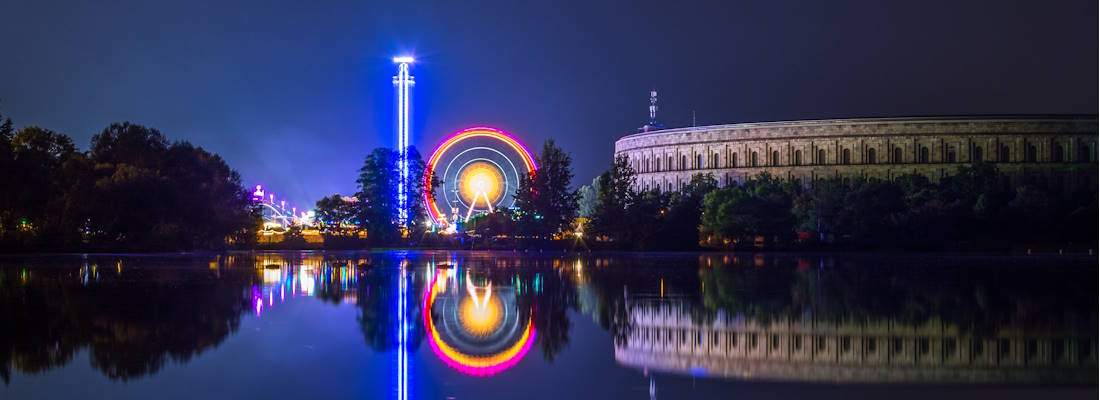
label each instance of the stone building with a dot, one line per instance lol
(882, 148)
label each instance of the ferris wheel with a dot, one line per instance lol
(478, 171)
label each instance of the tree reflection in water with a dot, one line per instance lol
(134, 314)
(131, 320)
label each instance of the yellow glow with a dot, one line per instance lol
(480, 320)
(517, 349)
(482, 361)
(481, 183)
(273, 276)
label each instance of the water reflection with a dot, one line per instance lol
(481, 330)
(130, 320)
(824, 318)
(815, 320)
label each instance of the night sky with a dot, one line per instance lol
(294, 94)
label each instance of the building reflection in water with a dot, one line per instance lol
(783, 324)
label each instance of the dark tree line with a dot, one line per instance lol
(643, 220)
(977, 207)
(134, 190)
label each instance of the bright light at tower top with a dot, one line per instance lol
(403, 59)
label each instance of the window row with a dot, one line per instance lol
(921, 155)
(1061, 349)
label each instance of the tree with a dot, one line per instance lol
(546, 205)
(378, 182)
(587, 197)
(7, 164)
(760, 207)
(871, 211)
(681, 217)
(378, 208)
(334, 213)
(35, 212)
(205, 200)
(498, 222)
(818, 209)
(133, 191)
(615, 194)
(154, 195)
(132, 195)
(647, 223)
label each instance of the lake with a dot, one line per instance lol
(531, 325)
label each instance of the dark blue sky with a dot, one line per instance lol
(294, 94)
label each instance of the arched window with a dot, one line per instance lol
(658, 165)
(821, 157)
(1005, 154)
(898, 158)
(1057, 154)
(775, 157)
(714, 162)
(871, 155)
(924, 155)
(798, 157)
(752, 159)
(950, 155)
(683, 162)
(1032, 153)
(978, 154)
(698, 161)
(847, 157)
(733, 160)
(1082, 152)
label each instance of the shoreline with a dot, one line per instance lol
(847, 253)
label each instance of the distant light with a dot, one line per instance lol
(403, 59)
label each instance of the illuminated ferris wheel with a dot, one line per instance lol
(478, 171)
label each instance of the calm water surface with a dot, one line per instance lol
(465, 325)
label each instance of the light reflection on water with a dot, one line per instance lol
(639, 324)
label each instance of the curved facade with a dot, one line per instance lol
(871, 147)
(666, 337)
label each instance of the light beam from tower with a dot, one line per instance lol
(403, 82)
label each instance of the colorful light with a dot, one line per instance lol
(468, 364)
(485, 132)
(403, 81)
(481, 180)
(403, 335)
